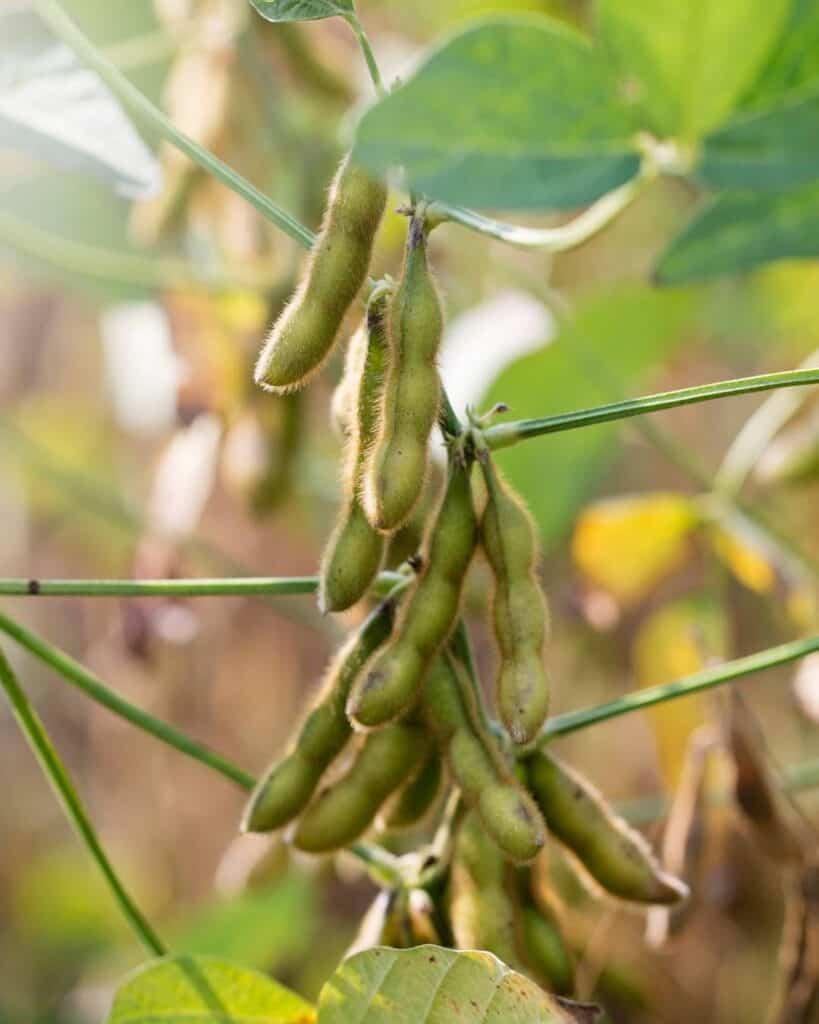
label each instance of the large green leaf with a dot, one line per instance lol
(53, 106)
(204, 990)
(688, 62)
(739, 232)
(795, 60)
(513, 113)
(605, 353)
(431, 985)
(302, 10)
(776, 148)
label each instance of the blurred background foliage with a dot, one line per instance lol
(132, 442)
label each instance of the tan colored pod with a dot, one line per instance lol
(345, 809)
(391, 683)
(614, 855)
(288, 785)
(355, 550)
(398, 463)
(519, 607)
(304, 334)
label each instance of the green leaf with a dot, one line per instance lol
(54, 107)
(204, 990)
(795, 60)
(739, 232)
(432, 985)
(513, 113)
(605, 353)
(688, 62)
(302, 10)
(777, 148)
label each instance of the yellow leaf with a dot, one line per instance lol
(627, 545)
(679, 639)
(746, 554)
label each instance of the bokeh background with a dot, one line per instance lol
(132, 442)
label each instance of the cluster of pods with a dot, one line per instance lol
(400, 717)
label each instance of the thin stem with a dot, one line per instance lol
(354, 22)
(505, 434)
(573, 721)
(94, 688)
(554, 240)
(52, 12)
(757, 433)
(264, 586)
(61, 783)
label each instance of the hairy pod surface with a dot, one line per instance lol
(414, 802)
(288, 785)
(355, 550)
(340, 813)
(409, 407)
(613, 854)
(488, 786)
(304, 334)
(390, 684)
(519, 607)
(483, 900)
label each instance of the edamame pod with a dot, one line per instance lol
(286, 788)
(519, 607)
(543, 947)
(613, 854)
(305, 333)
(507, 811)
(409, 407)
(414, 802)
(355, 550)
(392, 681)
(340, 813)
(483, 900)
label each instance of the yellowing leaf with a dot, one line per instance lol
(627, 545)
(746, 554)
(679, 639)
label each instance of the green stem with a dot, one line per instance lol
(354, 22)
(727, 672)
(94, 688)
(62, 785)
(52, 12)
(505, 434)
(264, 586)
(554, 240)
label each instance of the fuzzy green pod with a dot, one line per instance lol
(345, 809)
(398, 463)
(483, 900)
(519, 607)
(414, 802)
(542, 944)
(488, 786)
(613, 854)
(288, 785)
(304, 334)
(355, 550)
(392, 681)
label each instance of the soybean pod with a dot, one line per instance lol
(613, 854)
(507, 811)
(355, 550)
(345, 809)
(286, 788)
(543, 947)
(414, 802)
(391, 683)
(483, 901)
(304, 334)
(519, 608)
(409, 406)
